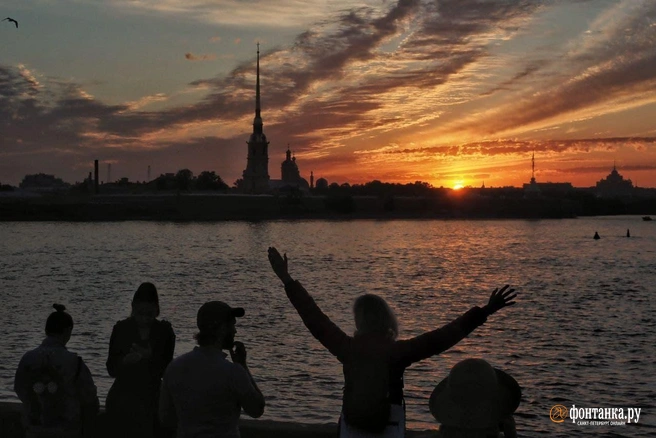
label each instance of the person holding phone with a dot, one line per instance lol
(140, 348)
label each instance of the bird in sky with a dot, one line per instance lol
(12, 20)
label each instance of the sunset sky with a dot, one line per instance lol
(452, 92)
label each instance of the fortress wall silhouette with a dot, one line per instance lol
(193, 207)
(218, 207)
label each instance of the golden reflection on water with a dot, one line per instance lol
(583, 331)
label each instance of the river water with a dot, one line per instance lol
(583, 331)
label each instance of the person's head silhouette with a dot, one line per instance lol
(59, 324)
(216, 324)
(145, 305)
(474, 399)
(373, 315)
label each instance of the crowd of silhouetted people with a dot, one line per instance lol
(202, 394)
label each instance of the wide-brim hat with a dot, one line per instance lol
(214, 313)
(474, 395)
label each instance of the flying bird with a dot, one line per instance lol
(12, 20)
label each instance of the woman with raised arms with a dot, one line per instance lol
(373, 359)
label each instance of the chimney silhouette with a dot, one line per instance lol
(95, 176)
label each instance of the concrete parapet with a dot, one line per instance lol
(11, 427)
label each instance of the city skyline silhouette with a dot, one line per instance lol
(397, 92)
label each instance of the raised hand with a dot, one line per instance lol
(238, 353)
(279, 264)
(499, 299)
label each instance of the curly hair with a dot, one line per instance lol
(373, 315)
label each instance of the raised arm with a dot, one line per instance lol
(437, 341)
(321, 327)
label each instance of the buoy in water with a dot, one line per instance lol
(596, 236)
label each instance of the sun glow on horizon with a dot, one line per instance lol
(457, 185)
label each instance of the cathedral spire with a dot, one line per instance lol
(256, 175)
(257, 122)
(533, 166)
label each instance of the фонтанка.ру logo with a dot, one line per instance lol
(558, 413)
(595, 416)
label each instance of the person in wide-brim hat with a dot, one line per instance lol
(475, 397)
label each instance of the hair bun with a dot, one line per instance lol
(59, 307)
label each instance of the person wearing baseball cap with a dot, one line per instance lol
(204, 391)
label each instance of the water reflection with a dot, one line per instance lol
(583, 333)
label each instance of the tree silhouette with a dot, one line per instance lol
(210, 181)
(42, 180)
(184, 179)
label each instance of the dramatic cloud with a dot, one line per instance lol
(421, 84)
(260, 13)
(616, 71)
(505, 147)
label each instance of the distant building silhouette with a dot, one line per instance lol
(536, 189)
(555, 187)
(96, 176)
(532, 189)
(289, 169)
(290, 176)
(43, 182)
(166, 181)
(614, 185)
(256, 175)
(255, 179)
(322, 184)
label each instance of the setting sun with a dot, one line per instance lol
(457, 185)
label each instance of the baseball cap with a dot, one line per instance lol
(214, 313)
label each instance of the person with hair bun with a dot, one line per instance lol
(140, 349)
(55, 385)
